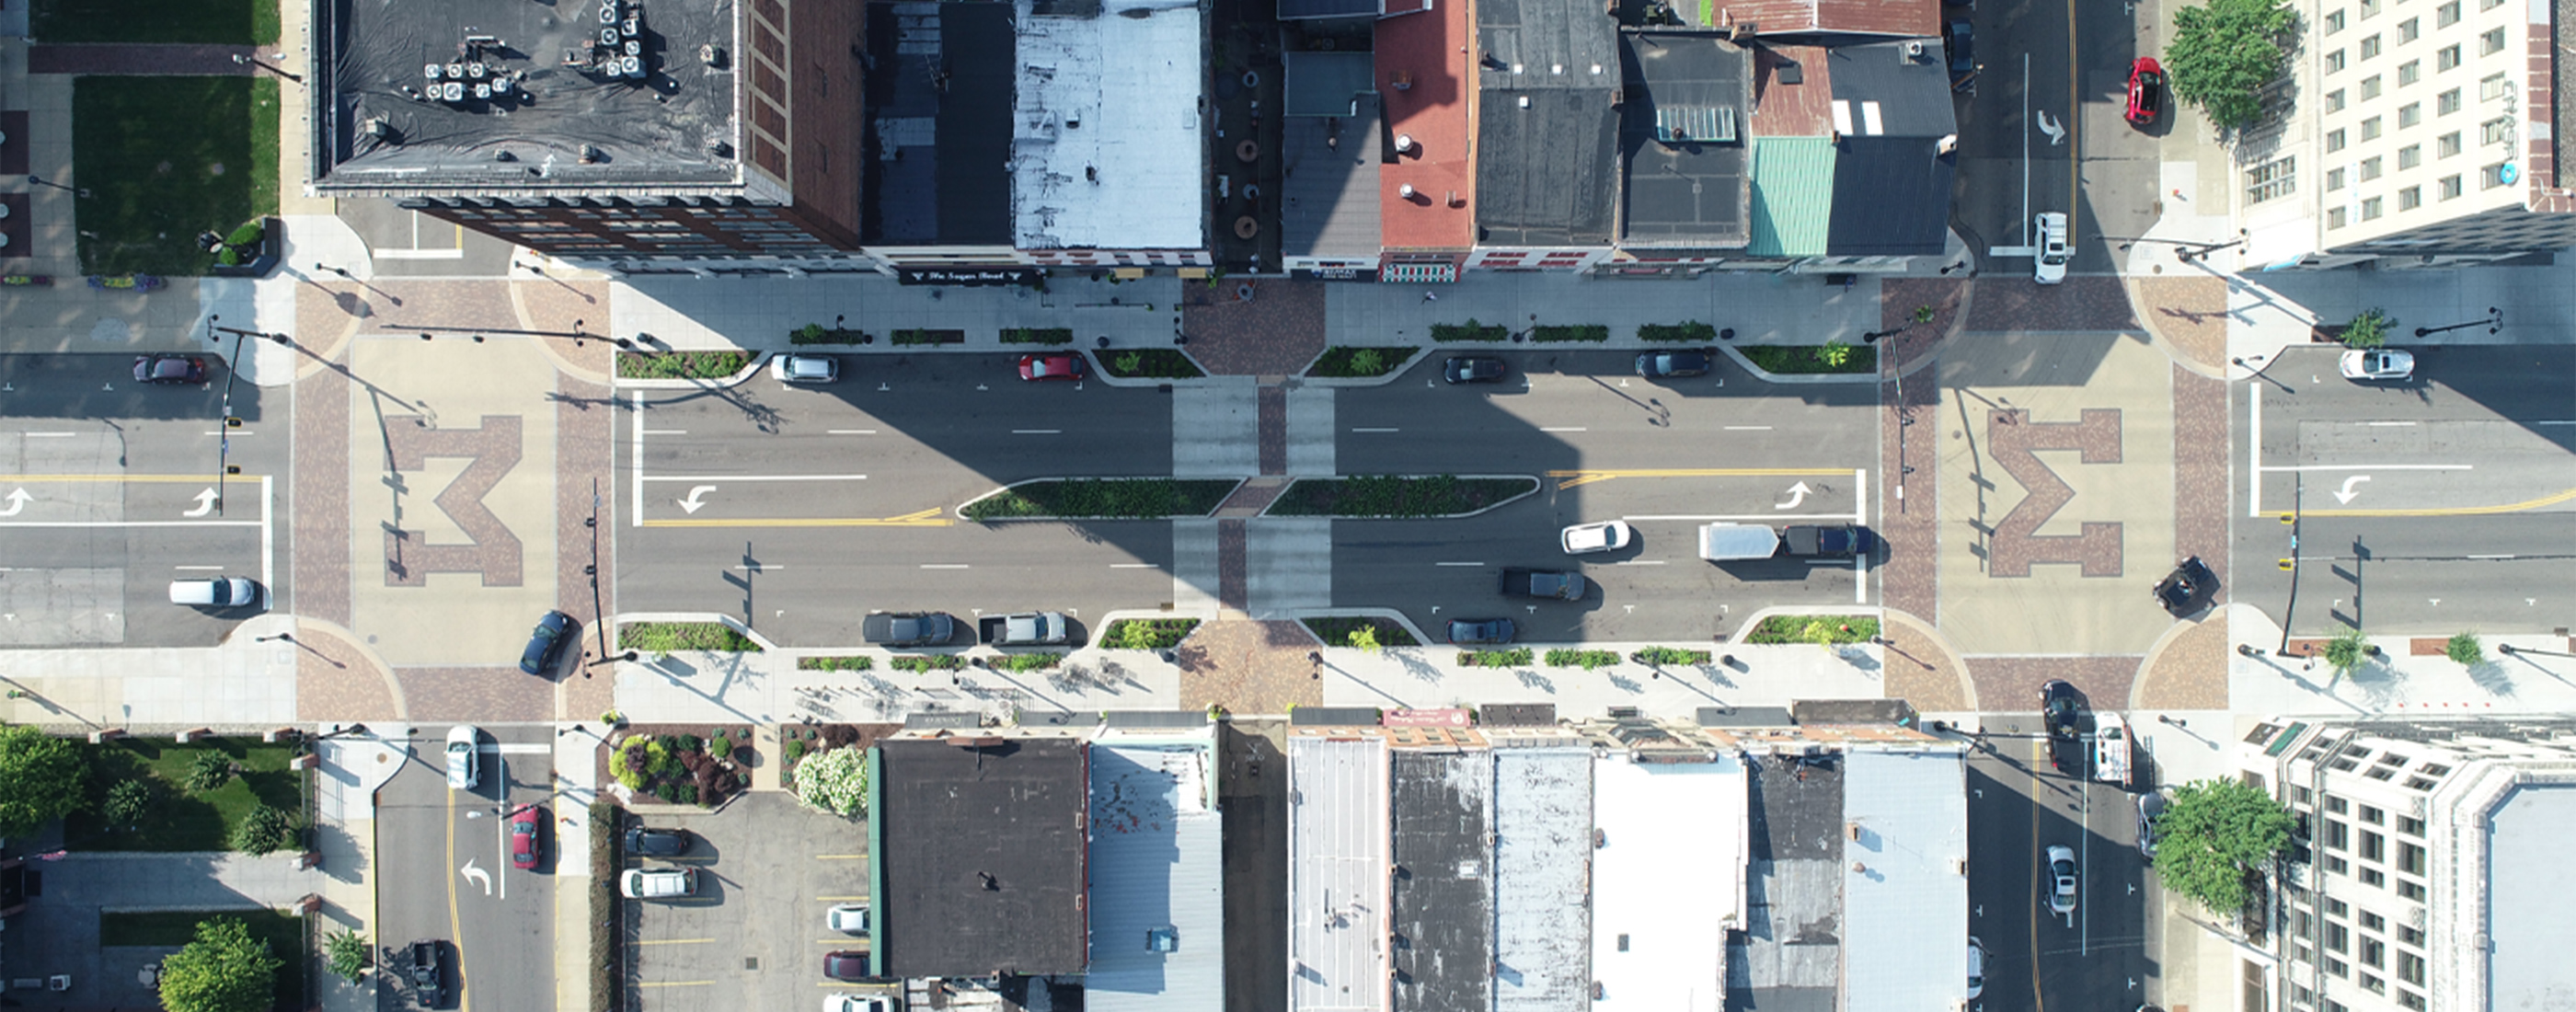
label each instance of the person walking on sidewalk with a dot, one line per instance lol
(1430, 296)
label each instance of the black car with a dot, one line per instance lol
(546, 644)
(2059, 708)
(169, 369)
(644, 842)
(1473, 369)
(2184, 590)
(1831, 541)
(1661, 364)
(908, 629)
(1960, 40)
(1481, 630)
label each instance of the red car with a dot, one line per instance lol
(523, 836)
(2146, 90)
(169, 369)
(1063, 365)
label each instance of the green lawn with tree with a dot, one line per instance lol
(165, 158)
(2215, 837)
(42, 778)
(2225, 53)
(226, 967)
(195, 797)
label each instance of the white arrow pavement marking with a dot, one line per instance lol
(2056, 131)
(205, 504)
(476, 875)
(696, 492)
(17, 501)
(1797, 494)
(2346, 493)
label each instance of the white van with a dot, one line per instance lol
(1722, 542)
(214, 592)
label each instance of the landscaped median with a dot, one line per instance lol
(681, 365)
(1100, 499)
(1399, 495)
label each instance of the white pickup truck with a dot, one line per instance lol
(2111, 749)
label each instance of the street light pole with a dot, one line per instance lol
(2494, 322)
(232, 371)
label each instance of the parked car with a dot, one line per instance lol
(2378, 364)
(2061, 875)
(2146, 90)
(855, 1003)
(525, 848)
(1473, 369)
(1606, 536)
(847, 918)
(1672, 364)
(908, 628)
(645, 842)
(1826, 541)
(1958, 39)
(1062, 365)
(2048, 232)
(546, 644)
(464, 757)
(2059, 708)
(1026, 629)
(169, 369)
(1467, 631)
(845, 965)
(2182, 591)
(805, 368)
(2151, 806)
(1976, 967)
(214, 592)
(658, 883)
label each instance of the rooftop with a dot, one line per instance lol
(1905, 895)
(1424, 92)
(1542, 878)
(1672, 839)
(1684, 141)
(1329, 206)
(1546, 132)
(1892, 110)
(1789, 957)
(1822, 17)
(1157, 900)
(984, 856)
(938, 108)
(1337, 873)
(541, 124)
(1106, 150)
(1443, 912)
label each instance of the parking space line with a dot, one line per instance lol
(197, 567)
(1640, 562)
(1131, 565)
(1570, 479)
(1747, 428)
(943, 565)
(1037, 432)
(235, 432)
(666, 432)
(50, 435)
(840, 899)
(1563, 428)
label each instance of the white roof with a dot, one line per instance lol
(1905, 893)
(1337, 874)
(1667, 881)
(1155, 851)
(1106, 150)
(1542, 864)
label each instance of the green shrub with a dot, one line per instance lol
(1445, 333)
(1025, 663)
(668, 792)
(266, 829)
(2369, 330)
(790, 751)
(2463, 649)
(680, 364)
(688, 743)
(1794, 359)
(1515, 657)
(1669, 655)
(1037, 335)
(686, 794)
(815, 333)
(1588, 660)
(1347, 362)
(1390, 495)
(127, 802)
(927, 662)
(2347, 650)
(672, 637)
(209, 772)
(1152, 363)
(1338, 630)
(1693, 332)
(1135, 498)
(659, 756)
(1574, 332)
(835, 781)
(1818, 629)
(919, 335)
(834, 663)
(1146, 633)
(349, 953)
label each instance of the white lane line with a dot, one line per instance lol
(1748, 428)
(51, 435)
(1640, 562)
(2490, 558)
(639, 458)
(1037, 432)
(943, 565)
(216, 568)
(1359, 429)
(763, 567)
(1764, 518)
(1132, 565)
(1860, 513)
(705, 478)
(104, 524)
(268, 540)
(1458, 563)
(234, 432)
(2555, 421)
(2374, 467)
(2254, 454)
(666, 432)
(849, 432)
(1563, 428)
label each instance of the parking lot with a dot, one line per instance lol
(108, 493)
(753, 936)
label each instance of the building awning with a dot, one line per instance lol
(2281, 243)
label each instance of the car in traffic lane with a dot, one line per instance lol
(2062, 880)
(214, 592)
(1585, 539)
(2049, 234)
(545, 645)
(464, 757)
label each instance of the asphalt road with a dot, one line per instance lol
(2429, 506)
(2099, 167)
(108, 493)
(449, 845)
(2037, 959)
(1665, 455)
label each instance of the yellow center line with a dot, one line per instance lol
(2038, 759)
(464, 994)
(2450, 511)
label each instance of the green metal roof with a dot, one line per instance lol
(1793, 196)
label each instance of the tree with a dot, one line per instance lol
(2368, 329)
(2346, 651)
(2223, 55)
(2212, 837)
(42, 778)
(209, 772)
(127, 801)
(349, 953)
(224, 970)
(834, 781)
(264, 830)
(2465, 650)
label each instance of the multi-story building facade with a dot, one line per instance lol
(2423, 875)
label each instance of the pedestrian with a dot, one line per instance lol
(1430, 296)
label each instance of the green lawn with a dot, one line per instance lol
(284, 934)
(221, 22)
(165, 158)
(180, 821)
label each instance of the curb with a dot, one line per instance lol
(1794, 379)
(728, 621)
(758, 358)
(1300, 615)
(1536, 485)
(961, 507)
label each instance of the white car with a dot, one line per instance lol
(2061, 874)
(2049, 233)
(464, 749)
(854, 1003)
(1976, 967)
(805, 368)
(214, 592)
(847, 918)
(1606, 536)
(658, 883)
(2378, 364)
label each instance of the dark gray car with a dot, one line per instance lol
(1663, 364)
(908, 628)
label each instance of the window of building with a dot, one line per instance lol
(2406, 888)
(2444, 58)
(2434, 769)
(2408, 115)
(2338, 938)
(2303, 923)
(2370, 46)
(2302, 795)
(2336, 864)
(2410, 72)
(2371, 876)
(2488, 5)
(2406, 31)
(2269, 180)
(2410, 999)
(2374, 847)
(2373, 953)
(2373, 922)
(2369, 132)
(2410, 156)
(2334, 22)
(2447, 15)
(2410, 858)
(2334, 61)
(2334, 143)
(2447, 145)
(2370, 87)
(2410, 198)
(2410, 936)
(2491, 87)
(2410, 967)
(2373, 985)
(2334, 180)
(2301, 996)
(2369, 9)
(2447, 102)
(2338, 835)
(2337, 805)
(2418, 784)
(2495, 131)
(2336, 967)
(2370, 212)
(2334, 100)
(2369, 171)
(2300, 951)
(2491, 42)
(2334, 219)
(2410, 825)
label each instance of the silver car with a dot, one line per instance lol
(2050, 234)
(2377, 364)
(805, 368)
(464, 751)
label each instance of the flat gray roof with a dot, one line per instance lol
(1444, 912)
(1330, 204)
(2527, 883)
(1337, 874)
(1542, 879)
(1547, 174)
(984, 856)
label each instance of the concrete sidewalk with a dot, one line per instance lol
(766, 688)
(346, 776)
(2398, 681)
(1776, 675)
(239, 683)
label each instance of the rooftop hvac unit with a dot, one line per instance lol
(1914, 49)
(607, 12)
